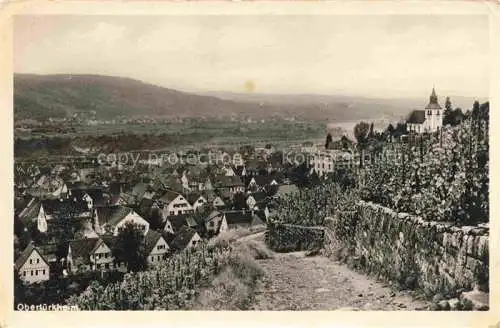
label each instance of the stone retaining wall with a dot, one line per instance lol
(293, 238)
(432, 256)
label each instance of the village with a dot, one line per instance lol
(102, 215)
(69, 213)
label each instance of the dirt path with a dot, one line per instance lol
(295, 282)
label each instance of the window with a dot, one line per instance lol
(31, 273)
(24, 274)
(106, 266)
(36, 272)
(106, 255)
(43, 271)
(31, 261)
(159, 257)
(37, 261)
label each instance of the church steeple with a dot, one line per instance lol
(433, 101)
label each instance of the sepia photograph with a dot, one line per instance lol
(251, 162)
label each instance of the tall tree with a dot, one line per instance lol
(390, 131)
(361, 134)
(371, 134)
(129, 247)
(329, 141)
(448, 112)
(475, 109)
(457, 116)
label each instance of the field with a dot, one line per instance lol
(171, 136)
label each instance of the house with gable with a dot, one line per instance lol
(32, 266)
(196, 200)
(213, 222)
(185, 239)
(41, 211)
(260, 182)
(240, 219)
(92, 254)
(213, 199)
(156, 247)
(178, 222)
(256, 200)
(175, 204)
(231, 185)
(110, 219)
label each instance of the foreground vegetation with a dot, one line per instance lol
(219, 276)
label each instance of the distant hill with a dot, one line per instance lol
(42, 96)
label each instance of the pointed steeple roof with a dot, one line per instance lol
(433, 101)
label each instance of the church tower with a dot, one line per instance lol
(433, 114)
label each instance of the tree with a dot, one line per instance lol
(456, 117)
(129, 247)
(299, 176)
(475, 110)
(390, 131)
(448, 112)
(328, 141)
(371, 134)
(484, 111)
(346, 143)
(400, 129)
(156, 219)
(247, 150)
(361, 133)
(239, 201)
(199, 216)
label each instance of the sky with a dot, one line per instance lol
(374, 56)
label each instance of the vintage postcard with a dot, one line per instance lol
(215, 157)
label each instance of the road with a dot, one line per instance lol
(294, 281)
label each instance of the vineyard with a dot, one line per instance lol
(312, 205)
(439, 177)
(171, 286)
(443, 179)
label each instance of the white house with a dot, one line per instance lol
(156, 247)
(32, 266)
(175, 204)
(428, 120)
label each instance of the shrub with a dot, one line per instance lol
(226, 292)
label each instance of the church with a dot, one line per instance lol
(428, 120)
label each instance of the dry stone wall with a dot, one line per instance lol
(292, 238)
(432, 256)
